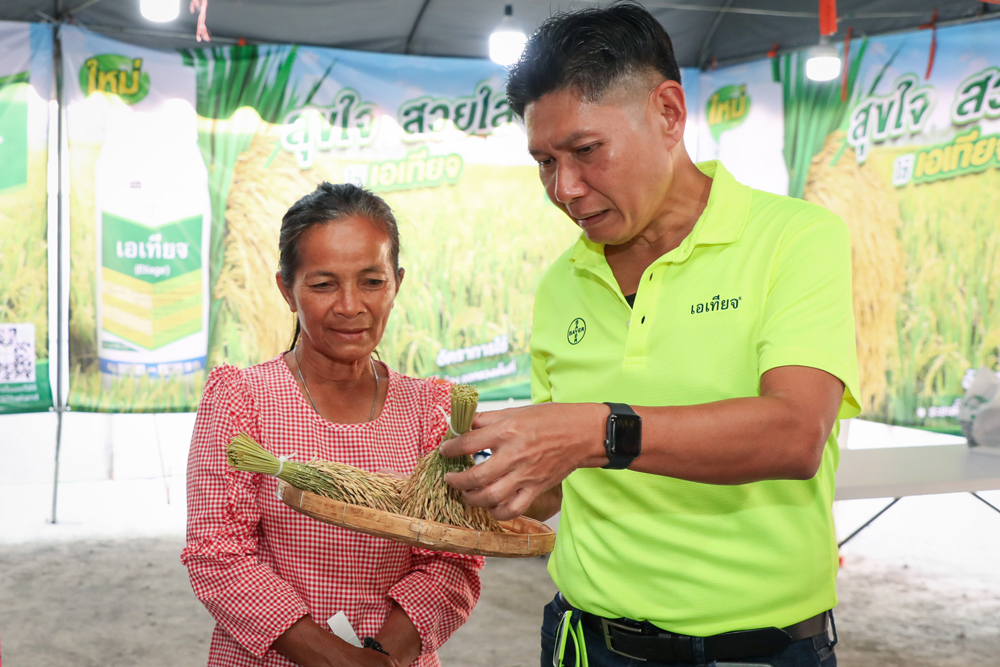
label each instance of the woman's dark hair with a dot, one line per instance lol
(329, 203)
(590, 50)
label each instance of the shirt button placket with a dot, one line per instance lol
(643, 320)
(636, 348)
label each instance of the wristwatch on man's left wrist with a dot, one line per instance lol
(623, 437)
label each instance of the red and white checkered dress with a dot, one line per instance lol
(258, 566)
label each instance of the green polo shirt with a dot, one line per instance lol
(761, 281)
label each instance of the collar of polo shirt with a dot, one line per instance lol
(722, 221)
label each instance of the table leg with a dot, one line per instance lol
(985, 501)
(869, 521)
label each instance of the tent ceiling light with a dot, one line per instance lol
(507, 41)
(160, 11)
(823, 63)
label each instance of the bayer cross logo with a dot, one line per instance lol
(577, 330)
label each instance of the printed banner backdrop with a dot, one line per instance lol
(184, 163)
(173, 258)
(25, 90)
(912, 164)
(740, 111)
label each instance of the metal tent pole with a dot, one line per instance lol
(57, 68)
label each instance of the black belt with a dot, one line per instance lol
(644, 641)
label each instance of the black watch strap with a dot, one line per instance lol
(618, 461)
(372, 643)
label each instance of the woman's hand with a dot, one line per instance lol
(372, 658)
(399, 636)
(308, 644)
(367, 657)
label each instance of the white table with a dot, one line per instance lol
(912, 471)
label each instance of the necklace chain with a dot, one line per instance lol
(298, 367)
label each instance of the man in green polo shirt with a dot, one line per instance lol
(691, 356)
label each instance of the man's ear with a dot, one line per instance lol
(285, 292)
(670, 105)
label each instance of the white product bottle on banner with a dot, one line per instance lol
(153, 221)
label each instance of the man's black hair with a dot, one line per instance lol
(590, 50)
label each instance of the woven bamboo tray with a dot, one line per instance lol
(527, 537)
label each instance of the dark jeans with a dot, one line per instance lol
(813, 652)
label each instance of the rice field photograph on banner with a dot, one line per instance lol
(270, 123)
(903, 146)
(908, 158)
(25, 89)
(473, 245)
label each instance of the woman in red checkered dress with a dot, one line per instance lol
(271, 577)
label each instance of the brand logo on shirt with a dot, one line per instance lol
(577, 330)
(715, 304)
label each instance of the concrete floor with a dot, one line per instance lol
(909, 598)
(104, 587)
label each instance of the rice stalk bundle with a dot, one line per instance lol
(329, 479)
(870, 208)
(427, 494)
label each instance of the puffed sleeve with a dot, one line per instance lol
(246, 598)
(441, 589)
(435, 412)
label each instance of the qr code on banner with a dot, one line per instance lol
(17, 353)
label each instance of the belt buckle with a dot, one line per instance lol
(606, 626)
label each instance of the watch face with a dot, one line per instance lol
(626, 435)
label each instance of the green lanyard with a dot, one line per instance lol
(568, 629)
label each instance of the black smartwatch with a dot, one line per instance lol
(623, 439)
